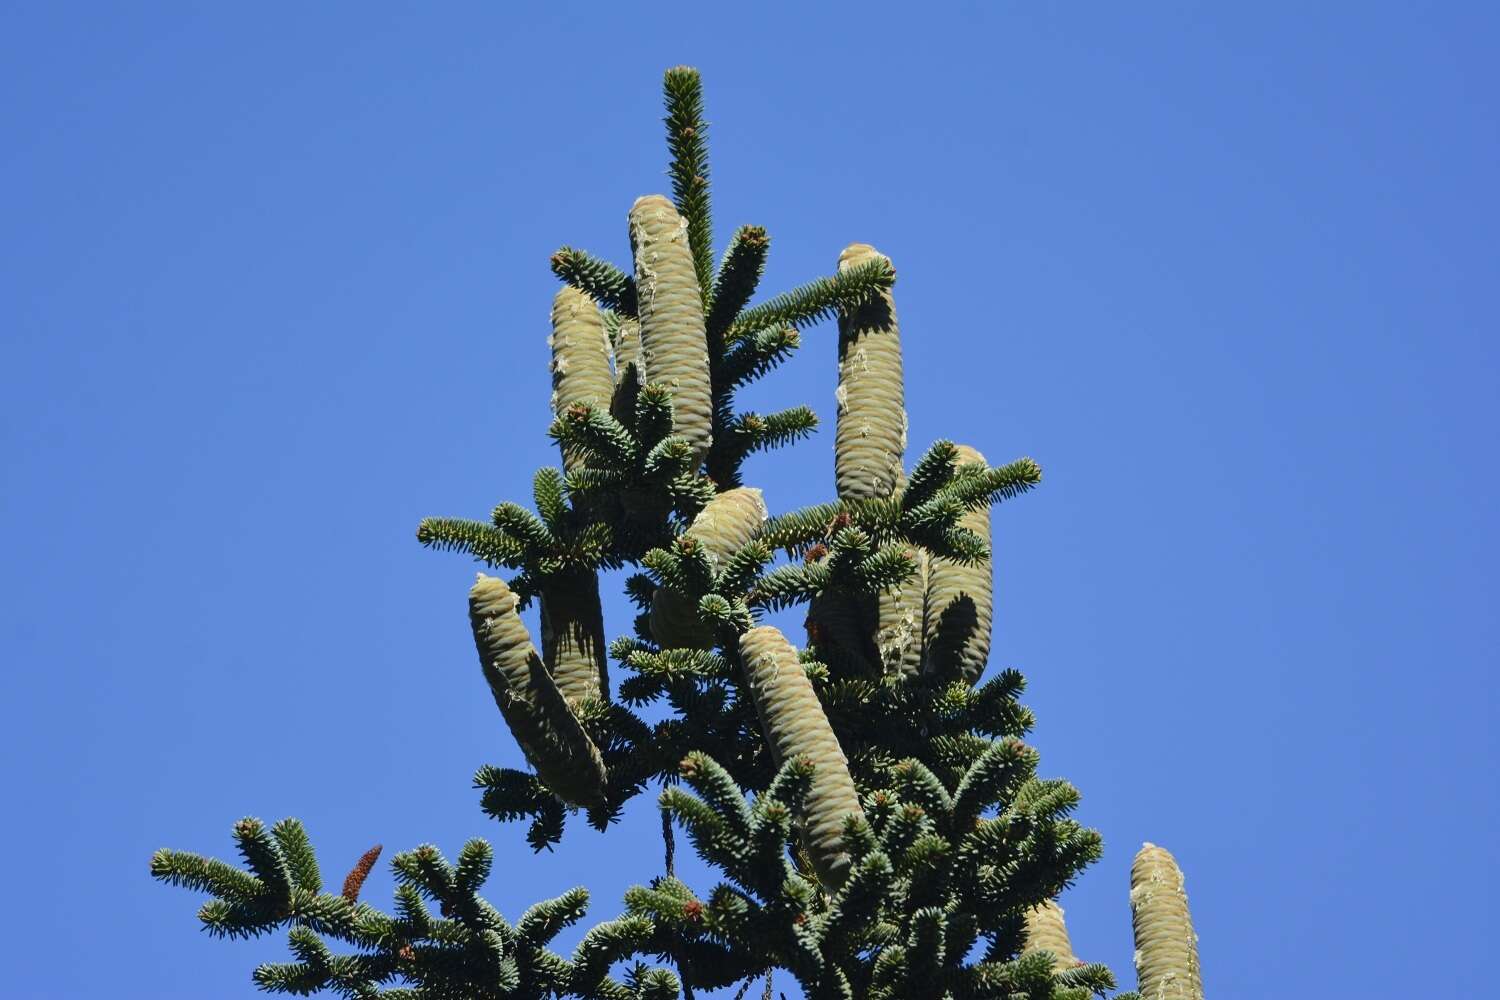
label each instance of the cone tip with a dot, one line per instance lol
(854, 253)
(652, 201)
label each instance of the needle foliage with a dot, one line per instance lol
(877, 822)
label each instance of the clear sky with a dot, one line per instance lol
(274, 285)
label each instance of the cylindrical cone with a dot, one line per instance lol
(901, 615)
(674, 345)
(960, 602)
(580, 357)
(539, 717)
(1166, 949)
(870, 436)
(794, 725)
(573, 644)
(628, 378)
(1045, 931)
(726, 524)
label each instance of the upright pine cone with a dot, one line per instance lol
(900, 620)
(548, 732)
(794, 725)
(726, 524)
(1045, 931)
(580, 358)
(870, 437)
(674, 345)
(960, 602)
(573, 644)
(1166, 949)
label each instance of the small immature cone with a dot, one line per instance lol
(870, 437)
(539, 717)
(355, 880)
(960, 603)
(674, 345)
(580, 358)
(1045, 931)
(724, 526)
(1166, 949)
(795, 726)
(573, 644)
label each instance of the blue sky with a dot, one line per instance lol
(274, 285)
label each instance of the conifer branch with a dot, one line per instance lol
(687, 141)
(816, 301)
(606, 284)
(521, 524)
(301, 862)
(752, 432)
(548, 495)
(755, 355)
(932, 472)
(875, 817)
(739, 274)
(482, 541)
(608, 444)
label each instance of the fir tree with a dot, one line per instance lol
(868, 800)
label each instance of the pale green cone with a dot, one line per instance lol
(1045, 931)
(573, 644)
(1166, 949)
(870, 437)
(572, 621)
(728, 523)
(539, 717)
(724, 526)
(580, 358)
(795, 726)
(900, 615)
(628, 375)
(674, 346)
(960, 602)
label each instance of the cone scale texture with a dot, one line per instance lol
(674, 345)
(870, 436)
(724, 526)
(548, 732)
(1045, 931)
(900, 614)
(1166, 949)
(794, 725)
(573, 644)
(960, 602)
(580, 358)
